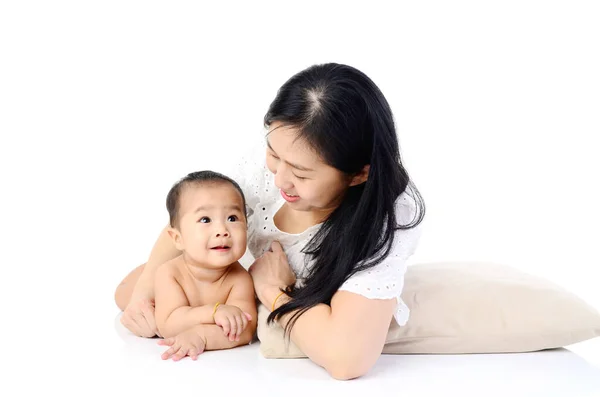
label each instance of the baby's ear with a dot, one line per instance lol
(176, 237)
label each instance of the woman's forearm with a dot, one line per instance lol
(311, 332)
(139, 283)
(163, 251)
(341, 342)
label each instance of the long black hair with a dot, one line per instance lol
(342, 114)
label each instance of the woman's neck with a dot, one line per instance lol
(295, 222)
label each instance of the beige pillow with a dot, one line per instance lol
(471, 307)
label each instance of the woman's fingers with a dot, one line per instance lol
(145, 329)
(148, 313)
(130, 323)
(276, 247)
(133, 319)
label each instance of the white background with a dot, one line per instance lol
(103, 105)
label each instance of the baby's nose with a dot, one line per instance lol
(222, 233)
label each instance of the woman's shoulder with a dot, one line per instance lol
(406, 208)
(409, 218)
(386, 279)
(250, 172)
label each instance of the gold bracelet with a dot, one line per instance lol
(275, 301)
(215, 309)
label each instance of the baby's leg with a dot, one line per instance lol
(125, 289)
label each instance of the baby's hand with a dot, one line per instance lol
(232, 319)
(188, 343)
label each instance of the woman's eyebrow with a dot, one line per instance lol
(297, 166)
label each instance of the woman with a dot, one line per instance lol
(333, 218)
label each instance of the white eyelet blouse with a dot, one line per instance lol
(263, 200)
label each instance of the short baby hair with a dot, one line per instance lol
(196, 178)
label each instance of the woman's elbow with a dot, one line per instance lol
(346, 365)
(348, 370)
(121, 297)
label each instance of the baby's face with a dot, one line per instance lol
(212, 224)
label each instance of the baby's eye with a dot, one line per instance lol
(204, 219)
(232, 218)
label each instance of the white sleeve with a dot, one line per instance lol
(250, 172)
(386, 279)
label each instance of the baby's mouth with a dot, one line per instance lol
(221, 247)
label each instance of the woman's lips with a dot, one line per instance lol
(289, 198)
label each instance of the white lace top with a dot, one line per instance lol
(263, 200)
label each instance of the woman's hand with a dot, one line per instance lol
(138, 317)
(271, 270)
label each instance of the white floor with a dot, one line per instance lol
(135, 368)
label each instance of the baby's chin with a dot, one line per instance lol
(218, 260)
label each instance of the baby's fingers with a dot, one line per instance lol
(240, 326)
(234, 328)
(244, 323)
(166, 342)
(180, 354)
(226, 327)
(170, 352)
(193, 353)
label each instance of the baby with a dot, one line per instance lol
(204, 297)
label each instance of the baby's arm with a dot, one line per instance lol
(172, 309)
(241, 296)
(198, 338)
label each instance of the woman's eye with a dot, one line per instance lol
(232, 218)
(204, 219)
(299, 177)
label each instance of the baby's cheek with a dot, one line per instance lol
(241, 240)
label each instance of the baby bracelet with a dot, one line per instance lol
(215, 309)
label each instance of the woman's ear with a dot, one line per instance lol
(176, 237)
(361, 177)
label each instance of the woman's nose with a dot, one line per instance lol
(282, 180)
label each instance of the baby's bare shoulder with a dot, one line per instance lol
(237, 273)
(172, 268)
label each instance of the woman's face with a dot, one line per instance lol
(303, 178)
